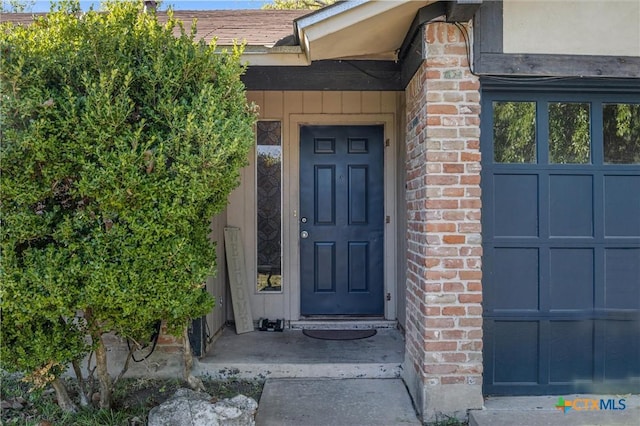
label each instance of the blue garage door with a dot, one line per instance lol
(561, 231)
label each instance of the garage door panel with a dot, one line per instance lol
(570, 206)
(622, 278)
(515, 207)
(561, 240)
(622, 351)
(515, 349)
(622, 206)
(515, 279)
(568, 338)
(571, 279)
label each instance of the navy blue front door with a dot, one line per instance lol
(341, 220)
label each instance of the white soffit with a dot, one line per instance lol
(357, 29)
(274, 56)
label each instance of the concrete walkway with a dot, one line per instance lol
(541, 411)
(335, 402)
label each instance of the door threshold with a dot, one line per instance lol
(328, 323)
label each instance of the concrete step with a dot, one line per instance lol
(249, 371)
(354, 402)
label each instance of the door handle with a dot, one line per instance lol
(304, 234)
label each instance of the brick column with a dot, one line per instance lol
(443, 365)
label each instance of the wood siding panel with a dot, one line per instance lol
(235, 217)
(312, 102)
(216, 284)
(351, 102)
(292, 104)
(332, 102)
(273, 105)
(249, 230)
(277, 105)
(241, 213)
(389, 101)
(371, 102)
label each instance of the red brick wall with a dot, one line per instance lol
(444, 288)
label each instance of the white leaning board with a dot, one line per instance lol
(238, 280)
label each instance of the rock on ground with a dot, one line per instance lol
(190, 408)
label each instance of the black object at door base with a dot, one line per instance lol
(265, 325)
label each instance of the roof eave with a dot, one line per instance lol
(353, 22)
(323, 21)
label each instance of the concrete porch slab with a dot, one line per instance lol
(263, 354)
(541, 411)
(354, 402)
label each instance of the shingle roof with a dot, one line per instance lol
(256, 27)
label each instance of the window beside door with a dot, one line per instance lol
(269, 205)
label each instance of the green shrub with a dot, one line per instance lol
(120, 140)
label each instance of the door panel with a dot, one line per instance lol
(325, 195)
(341, 220)
(325, 267)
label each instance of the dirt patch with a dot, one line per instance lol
(132, 401)
(149, 393)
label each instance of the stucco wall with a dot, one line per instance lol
(582, 27)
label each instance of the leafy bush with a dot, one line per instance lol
(120, 140)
